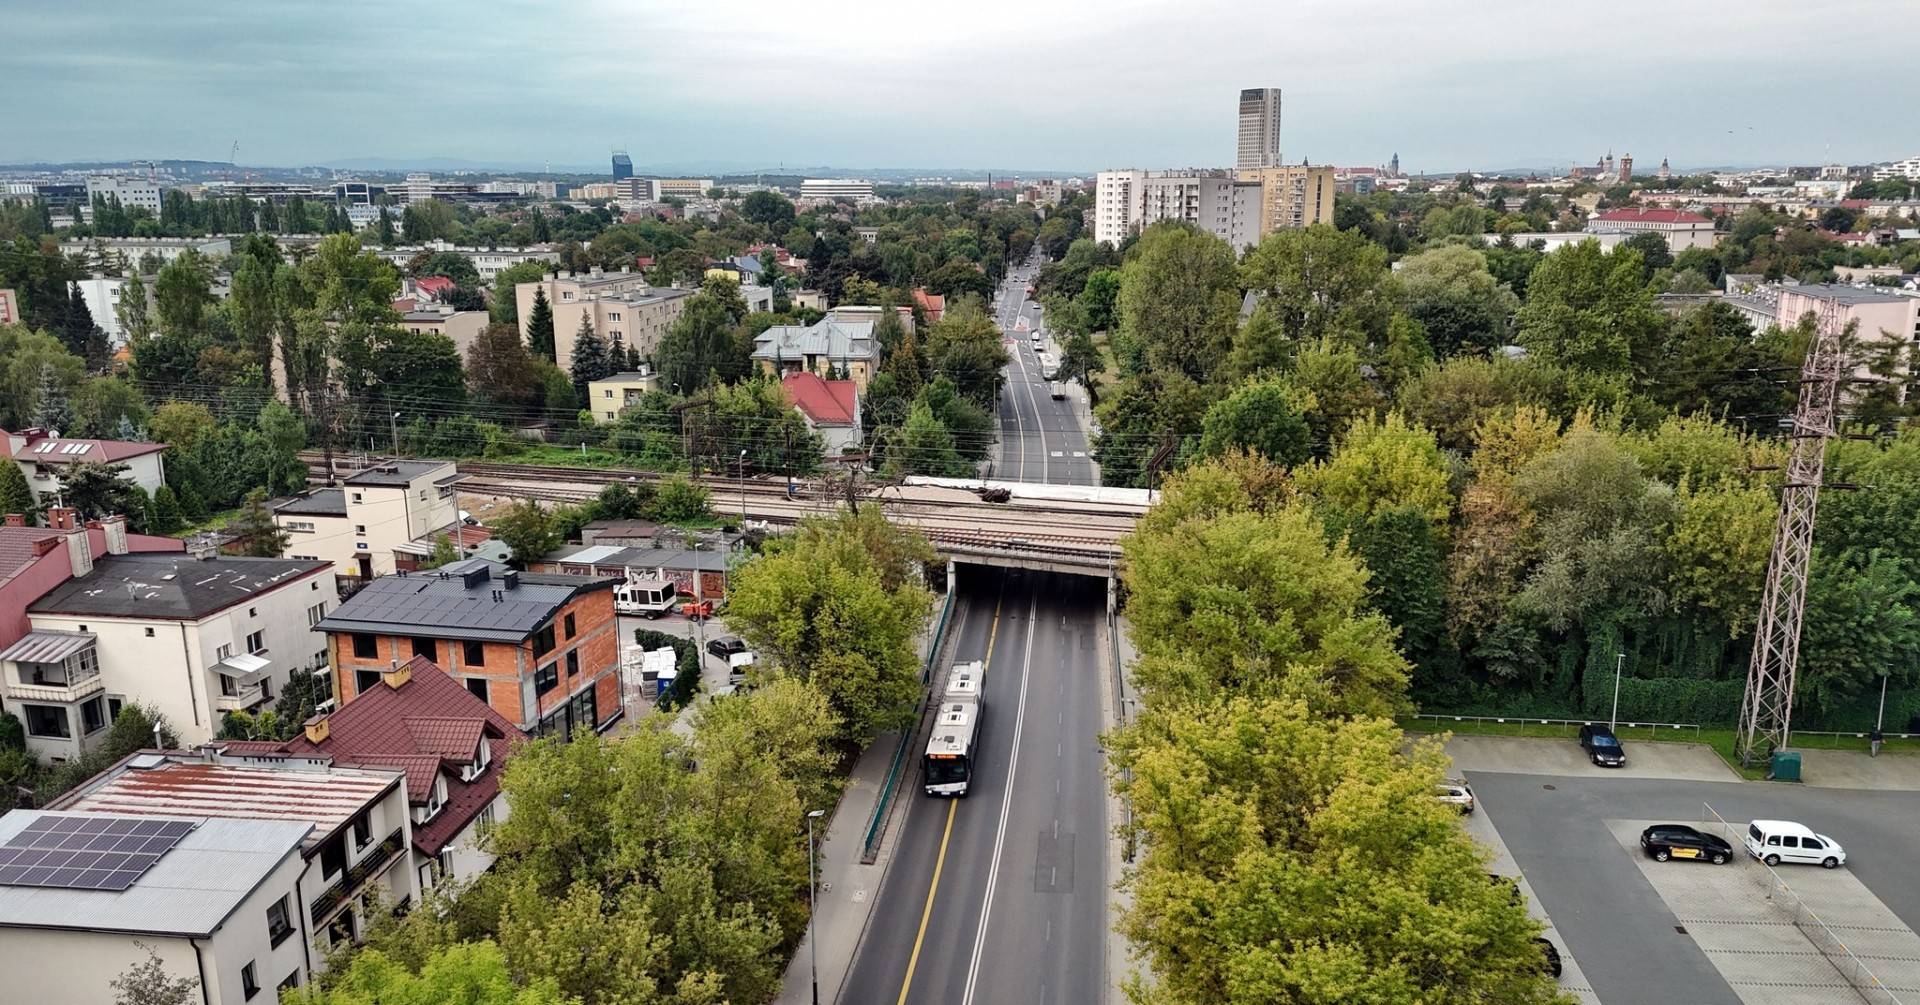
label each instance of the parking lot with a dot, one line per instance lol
(1689, 932)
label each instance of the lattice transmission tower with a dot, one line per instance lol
(1766, 712)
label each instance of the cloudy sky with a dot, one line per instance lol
(1039, 84)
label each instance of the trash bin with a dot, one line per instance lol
(1785, 766)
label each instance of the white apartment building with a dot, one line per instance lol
(132, 192)
(358, 526)
(219, 902)
(1681, 229)
(1127, 202)
(487, 261)
(127, 252)
(1908, 169)
(850, 190)
(658, 189)
(621, 305)
(195, 637)
(1259, 128)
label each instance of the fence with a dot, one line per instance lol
(1808, 923)
(870, 845)
(1624, 730)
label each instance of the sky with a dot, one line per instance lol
(1010, 84)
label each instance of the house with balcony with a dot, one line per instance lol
(194, 637)
(34, 560)
(359, 524)
(358, 825)
(215, 899)
(542, 650)
(451, 747)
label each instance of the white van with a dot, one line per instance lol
(1778, 841)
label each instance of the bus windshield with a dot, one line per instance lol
(946, 770)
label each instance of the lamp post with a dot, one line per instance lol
(743, 491)
(1619, 666)
(813, 908)
(395, 422)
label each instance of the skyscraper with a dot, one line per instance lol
(1259, 128)
(622, 165)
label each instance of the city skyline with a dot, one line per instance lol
(1512, 86)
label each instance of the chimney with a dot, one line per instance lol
(115, 527)
(317, 729)
(397, 677)
(79, 550)
(60, 517)
(16, 520)
(510, 579)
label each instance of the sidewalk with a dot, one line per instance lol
(1120, 962)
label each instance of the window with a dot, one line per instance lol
(573, 663)
(365, 647)
(608, 393)
(365, 680)
(333, 856)
(360, 529)
(248, 982)
(93, 715)
(543, 641)
(1790, 842)
(315, 585)
(253, 612)
(257, 642)
(292, 981)
(114, 702)
(1811, 844)
(427, 648)
(149, 631)
(545, 679)
(613, 315)
(486, 818)
(473, 654)
(48, 721)
(477, 686)
(356, 497)
(279, 921)
(569, 625)
(225, 650)
(316, 614)
(362, 830)
(341, 930)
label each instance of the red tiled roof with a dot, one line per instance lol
(1652, 216)
(433, 286)
(409, 728)
(826, 402)
(67, 449)
(327, 799)
(932, 303)
(19, 546)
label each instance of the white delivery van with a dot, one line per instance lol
(1783, 841)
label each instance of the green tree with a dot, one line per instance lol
(149, 983)
(181, 424)
(501, 372)
(1100, 299)
(473, 973)
(769, 209)
(1320, 282)
(699, 344)
(51, 410)
(282, 428)
(1260, 418)
(183, 294)
(540, 325)
(678, 499)
(924, 446)
(1591, 310)
(131, 310)
(443, 553)
(786, 722)
(1456, 299)
(109, 408)
(254, 525)
(1276, 839)
(527, 529)
(16, 496)
(167, 518)
(96, 490)
(831, 604)
(1177, 300)
(1380, 465)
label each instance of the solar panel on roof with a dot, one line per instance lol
(87, 852)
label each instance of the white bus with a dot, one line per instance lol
(647, 597)
(947, 769)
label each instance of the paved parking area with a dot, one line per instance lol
(1633, 930)
(1534, 756)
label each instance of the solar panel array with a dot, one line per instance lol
(87, 852)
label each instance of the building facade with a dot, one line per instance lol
(828, 190)
(357, 526)
(1293, 196)
(622, 307)
(827, 348)
(611, 395)
(1259, 128)
(1681, 229)
(133, 193)
(543, 651)
(43, 455)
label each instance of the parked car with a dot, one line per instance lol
(1457, 792)
(1783, 841)
(1552, 954)
(1665, 841)
(725, 646)
(1602, 746)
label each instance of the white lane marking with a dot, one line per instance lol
(1055, 453)
(1006, 804)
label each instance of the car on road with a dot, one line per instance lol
(1457, 792)
(1056, 390)
(725, 646)
(1602, 747)
(1669, 841)
(1777, 842)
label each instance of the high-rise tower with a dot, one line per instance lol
(622, 165)
(1259, 128)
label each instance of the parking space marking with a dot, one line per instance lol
(1753, 939)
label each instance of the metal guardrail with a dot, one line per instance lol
(870, 844)
(1652, 728)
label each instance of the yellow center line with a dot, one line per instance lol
(940, 860)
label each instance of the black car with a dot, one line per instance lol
(1602, 746)
(725, 646)
(1552, 954)
(1665, 841)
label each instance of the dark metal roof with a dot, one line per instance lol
(394, 472)
(459, 601)
(319, 502)
(169, 585)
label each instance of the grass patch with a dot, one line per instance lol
(1721, 740)
(214, 521)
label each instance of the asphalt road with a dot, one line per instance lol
(1041, 440)
(1615, 923)
(1001, 896)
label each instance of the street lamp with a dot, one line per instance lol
(395, 421)
(743, 491)
(813, 908)
(1619, 666)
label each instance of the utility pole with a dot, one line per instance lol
(1766, 711)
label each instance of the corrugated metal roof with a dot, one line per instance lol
(47, 645)
(191, 890)
(323, 797)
